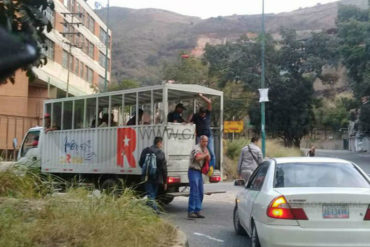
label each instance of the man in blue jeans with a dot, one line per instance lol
(202, 121)
(199, 155)
(152, 184)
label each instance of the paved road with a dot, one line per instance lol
(361, 159)
(217, 228)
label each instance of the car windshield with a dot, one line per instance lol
(318, 175)
(31, 141)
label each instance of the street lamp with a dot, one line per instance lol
(263, 83)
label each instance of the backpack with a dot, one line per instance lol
(149, 170)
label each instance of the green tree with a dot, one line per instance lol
(26, 20)
(354, 39)
(122, 85)
(365, 118)
(354, 45)
(241, 62)
(236, 101)
(289, 112)
(188, 70)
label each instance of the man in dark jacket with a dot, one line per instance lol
(176, 115)
(152, 185)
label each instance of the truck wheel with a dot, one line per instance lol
(112, 186)
(165, 199)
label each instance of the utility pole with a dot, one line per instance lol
(70, 43)
(263, 81)
(106, 50)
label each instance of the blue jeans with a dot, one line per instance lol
(196, 191)
(211, 148)
(151, 189)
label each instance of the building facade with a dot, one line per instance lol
(76, 63)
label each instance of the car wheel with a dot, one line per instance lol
(237, 226)
(255, 242)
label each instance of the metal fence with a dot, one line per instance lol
(12, 130)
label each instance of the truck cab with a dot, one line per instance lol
(29, 153)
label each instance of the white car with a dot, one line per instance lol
(305, 202)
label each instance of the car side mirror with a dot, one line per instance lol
(239, 182)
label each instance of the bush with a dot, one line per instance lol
(233, 148)
(274, 149)
(25, 183)
(32, 215)
(76, 219)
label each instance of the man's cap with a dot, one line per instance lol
(47, 115)
(180, 105)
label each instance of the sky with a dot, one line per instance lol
(214, 8)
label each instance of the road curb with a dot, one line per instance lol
(181, 239)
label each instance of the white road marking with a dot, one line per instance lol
(209, 237)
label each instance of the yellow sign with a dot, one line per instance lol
(233, 126)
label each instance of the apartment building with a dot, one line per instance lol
(76, 54)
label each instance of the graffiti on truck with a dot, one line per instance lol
(77, 153)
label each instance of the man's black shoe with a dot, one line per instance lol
(199, 215)
(192, 215)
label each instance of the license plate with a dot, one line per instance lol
(335, 212)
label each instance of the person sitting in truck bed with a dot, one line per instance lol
(132, 120)
(176, 115)
(48, 126)
(104, 121)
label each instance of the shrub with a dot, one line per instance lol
(274, 149)
(32, 215)
(77, 219)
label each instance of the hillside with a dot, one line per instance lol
(145, 39)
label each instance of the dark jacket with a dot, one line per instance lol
(161, 163)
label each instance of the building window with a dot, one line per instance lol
(77, 66)
(102, 59)
(83, 15)
(70, 5)
(68, 31)
(90, 75)
(90, 51)
(86, 73)
(82, 70)
(79, 41)
(91, 24)
(102, 35)
(49, 51)
(101, 81)
(70, 63)
(85, 45)
(65, 59)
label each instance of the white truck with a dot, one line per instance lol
(91, 141)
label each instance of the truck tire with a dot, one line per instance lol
(112, 186)
(165, 199)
